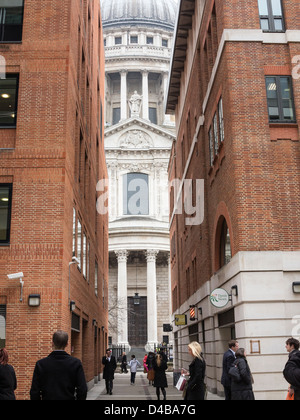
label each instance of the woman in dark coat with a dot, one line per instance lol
(150, 363)
(8, 381)
(160, 379)
(195, 389)
(241, 388)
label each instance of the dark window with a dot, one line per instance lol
(280, 99)
(8, 101)
(5, 212)
(225, 245)
(133, 40)
(150, 40)
(116, 115)
(118, 40)
(271, 15)
(153, 115)
(165, 43)
(11, 20)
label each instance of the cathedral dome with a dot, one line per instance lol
(155, 13)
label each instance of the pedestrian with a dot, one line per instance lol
(8, 380)
(124, 363)
(59, 376)
(145, 363)
(160, 379)
(150, 363)
(134, 364)
(292, 368)
(228, 360)
(196, 388)
(110, 365)
(242, 380)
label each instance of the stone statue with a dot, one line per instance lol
(135, 104)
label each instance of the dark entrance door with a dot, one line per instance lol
(137, 322)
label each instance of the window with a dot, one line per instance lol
(2, 326)
(8, 101)
(136, 194)
(280, 99)
(84, 256)
(11, 20)
(211, 146)
(225, 246)
(74, 234)
(150, 40)
(5, 212)
(153, 115)
(133, 39)
(271, 16)
(216, 132)
(118, 40)
(165, 43)
(79, 240)
(221, 121)
(116, 115)
(96, 278)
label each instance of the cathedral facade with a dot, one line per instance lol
(138, 141)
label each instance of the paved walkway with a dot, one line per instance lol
(141, 391)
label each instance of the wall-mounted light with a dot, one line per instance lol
(200, 311)
(235, 291)
(296, 287)
(34, 301)
(136, 299)
(72, 306)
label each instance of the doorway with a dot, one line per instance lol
(137, 322)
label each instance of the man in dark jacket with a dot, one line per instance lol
(228, 360)
(59, 376)
(292, 368)
(110, 365)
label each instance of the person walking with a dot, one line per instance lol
(145, 363)
(292, 369)
(228, 360)
(160, 378)
(196, 388)
(241, 381)
(59, 376)
(8, 380)
(124, 363)
(150, 363)
(110, 365)
(134, 364)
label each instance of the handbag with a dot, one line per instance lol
(181, 383)
(234, 373)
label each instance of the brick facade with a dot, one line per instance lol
(252, 177)
(53, 159)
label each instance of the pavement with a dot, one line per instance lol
(140, 391)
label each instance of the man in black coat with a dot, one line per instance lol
(59, 376)
(110, 365)
(292, 368)
(228, 360)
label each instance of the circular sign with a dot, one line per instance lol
(219, 298)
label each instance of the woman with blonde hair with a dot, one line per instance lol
(195, 387)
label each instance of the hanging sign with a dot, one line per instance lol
(219, 298)
(180, 320)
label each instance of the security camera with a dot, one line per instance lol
(17, 276)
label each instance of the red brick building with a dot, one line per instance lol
(235, 91)
(51, 157)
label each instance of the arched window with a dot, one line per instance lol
(225, 245)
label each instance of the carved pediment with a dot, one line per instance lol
(135, 139)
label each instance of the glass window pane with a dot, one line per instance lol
(8, 101)
(287, 98)
(79, 243)
(276, 7)
(5, 205)
(271, 87)
(278, 24)
(12, 20)
(263, 7)
(2, 326)
(264, 24)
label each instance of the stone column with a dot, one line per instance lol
(145, 95)
(151, 255)
(123, 94)
(122, 307)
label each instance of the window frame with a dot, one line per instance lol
(9, 215)
(17, 77)
(271, 18)
(281, 119)
(2, 28)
